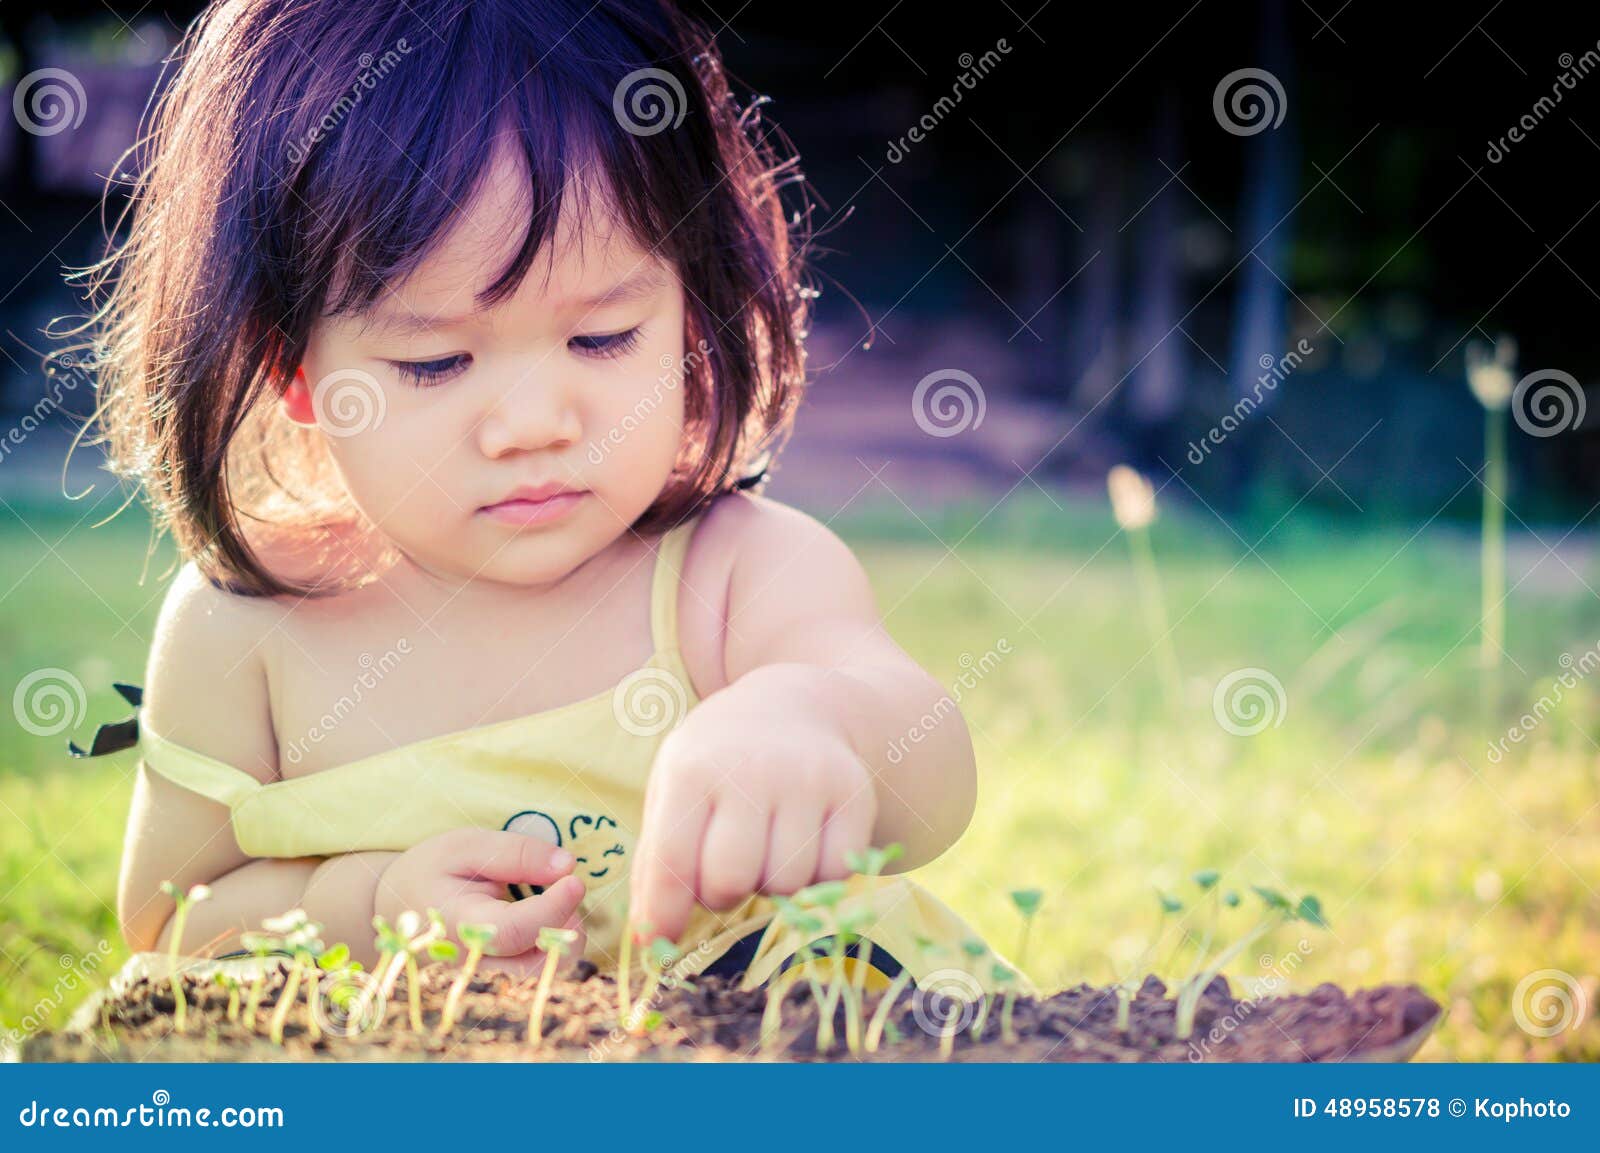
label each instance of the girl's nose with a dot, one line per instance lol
(529, 414)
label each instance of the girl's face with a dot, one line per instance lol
(436, 411)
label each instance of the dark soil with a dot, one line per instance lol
(715, 1021)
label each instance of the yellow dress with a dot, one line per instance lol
(575, 776)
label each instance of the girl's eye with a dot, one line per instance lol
(615, 344)
(424, 373)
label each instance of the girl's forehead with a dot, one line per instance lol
(590, 252)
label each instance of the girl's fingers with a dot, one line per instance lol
(664, 877)
(732, 853)
(847, 829)
(517, 923)
(793, 849)
(494, 855)
(531, 963)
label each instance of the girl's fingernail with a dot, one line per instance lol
(560, 859)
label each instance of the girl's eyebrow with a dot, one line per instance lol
(637, 286)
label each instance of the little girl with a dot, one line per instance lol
(450, 340)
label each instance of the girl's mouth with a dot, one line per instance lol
(524, 511)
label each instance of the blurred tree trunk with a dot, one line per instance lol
(1155, 391)
(22, 175)
(1091, 352)
(1260, 316)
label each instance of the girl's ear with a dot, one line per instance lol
(297, 399)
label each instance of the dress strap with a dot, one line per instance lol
(670, 554)
(196, 771)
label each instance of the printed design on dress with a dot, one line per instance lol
(592, 841)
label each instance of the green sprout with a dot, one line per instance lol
(397, 950)
(826, 895)
(1027, 902)
(477, 939)
(1006, 976)
(976, 949)
(810, 925)
(850, 991)
(880, 1018)
(1279, 910)
(390, 943)
(300, 938)
(659, 957)
(183, 901)
(625, 967)
(778, 989)
(870, 863)
(261, 945)
(231, 984)
(554, 942)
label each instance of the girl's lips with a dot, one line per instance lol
(522, 512)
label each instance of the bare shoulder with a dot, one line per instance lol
(206, 683)
(757, 567)
(774, 546)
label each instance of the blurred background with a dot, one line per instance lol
(1322, 275)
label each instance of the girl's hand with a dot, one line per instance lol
(464, 873)
(752, 793)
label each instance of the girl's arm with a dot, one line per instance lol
(828, 738)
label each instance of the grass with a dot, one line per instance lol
(1373, 791)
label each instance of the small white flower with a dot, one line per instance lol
(1133, 498)
(1489, 375)
(287, 923)
(200, 893)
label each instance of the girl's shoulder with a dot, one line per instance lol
(205, 682)
(755, 565)
(747, 532)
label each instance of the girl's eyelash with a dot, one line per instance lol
(423, 373)
(613, 344)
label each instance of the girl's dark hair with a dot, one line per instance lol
(309, 152)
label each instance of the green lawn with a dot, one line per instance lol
(1373, 791)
